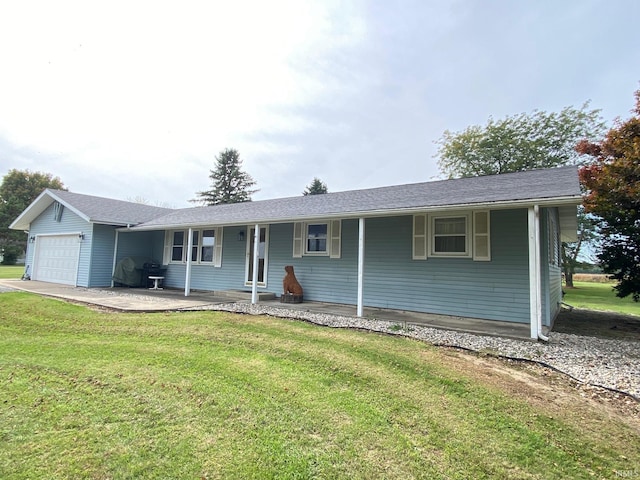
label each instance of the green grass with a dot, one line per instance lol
(599, 296)
(96, 395)
(11, 271)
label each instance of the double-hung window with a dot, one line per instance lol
(450, 236)
(178, 246)
(206, 246)
(194, 245)
(457, 235)
(316, 238)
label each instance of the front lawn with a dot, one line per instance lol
(86, 394)
(11, 271)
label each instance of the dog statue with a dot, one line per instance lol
(290, 283)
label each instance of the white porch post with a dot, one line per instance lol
(535, 281)
(187, 280)
(115, 254)
(360, 307)
(256, 263)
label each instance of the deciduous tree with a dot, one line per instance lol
(524, 142)
(518, 143)
(613, 194)
(18, 189)
(229, 184)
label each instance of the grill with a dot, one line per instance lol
(151, 269)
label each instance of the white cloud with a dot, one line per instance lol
(120, 96)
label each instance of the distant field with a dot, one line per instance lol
(592, 277)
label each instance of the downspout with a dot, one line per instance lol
(80, 238)
(187, 280)
(360, 307)
(256, 262)
(535, 276)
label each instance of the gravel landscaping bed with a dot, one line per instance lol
(612, 364)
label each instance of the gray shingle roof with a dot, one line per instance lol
(558, 184)
(109, 211)
(90, 208)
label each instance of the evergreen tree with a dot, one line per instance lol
(229, 184)
(316, 187)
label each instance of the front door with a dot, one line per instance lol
(262, 256)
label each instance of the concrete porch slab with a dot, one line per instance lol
(144, 300)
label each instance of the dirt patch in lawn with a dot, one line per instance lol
(592, 323)
(549, 390)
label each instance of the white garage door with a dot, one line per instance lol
(56, 259)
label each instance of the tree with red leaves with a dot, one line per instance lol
(613, 194)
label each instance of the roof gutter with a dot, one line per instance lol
(556, 201)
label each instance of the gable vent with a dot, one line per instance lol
(57, 211)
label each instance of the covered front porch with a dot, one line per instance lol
(145, 300)
(506, 292)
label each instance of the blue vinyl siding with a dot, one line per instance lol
(229, 276)
(102, 244)
(551, 274)
(140, 244)
(69, 223)
(497, 289)
(322, 278)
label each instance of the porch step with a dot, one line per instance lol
(243, 295)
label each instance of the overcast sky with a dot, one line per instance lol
(134, 100)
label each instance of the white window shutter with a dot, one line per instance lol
(217, 253)
(419, 237)
(481, 236)
(168, 239)
(336, 233)
(298, 229)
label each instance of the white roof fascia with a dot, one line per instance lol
(16, 224)
(39, 205)
(543, 202)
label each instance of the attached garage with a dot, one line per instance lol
(56, 259)
(71, 238)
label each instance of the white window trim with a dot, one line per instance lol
(327, 242)
(468, 233)
(334, 239)
(423, 235)
(217, 249)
